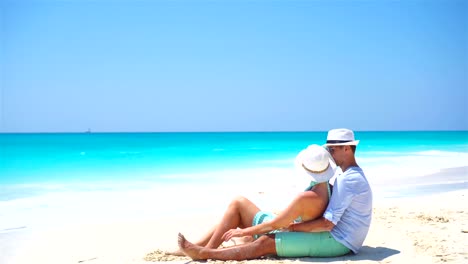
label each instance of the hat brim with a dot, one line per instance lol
(350, 143)
(316, 177)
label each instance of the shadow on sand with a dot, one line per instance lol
(366, 253)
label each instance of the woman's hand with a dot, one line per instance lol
(233, 233)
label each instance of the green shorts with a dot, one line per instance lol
(303, 244)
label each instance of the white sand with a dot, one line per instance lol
(428, 229)
(422, 229)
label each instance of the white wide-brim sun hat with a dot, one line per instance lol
(316, 163)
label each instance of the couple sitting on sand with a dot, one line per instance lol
(315, 224)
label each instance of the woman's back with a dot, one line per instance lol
(313, 202)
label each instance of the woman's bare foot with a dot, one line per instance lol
(178, 253)
(189, 249)
(235, 241)
(245, 239)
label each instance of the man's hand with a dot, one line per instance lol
(233, 233)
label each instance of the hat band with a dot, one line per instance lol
(337, 141)
(315, 172)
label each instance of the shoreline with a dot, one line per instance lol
(446, 180)
(222, 179)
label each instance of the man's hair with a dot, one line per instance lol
(353, 148)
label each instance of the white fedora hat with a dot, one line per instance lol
(341, 137)
(315, 161)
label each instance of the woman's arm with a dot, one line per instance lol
(304, 201)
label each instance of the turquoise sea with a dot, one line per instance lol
(161, 157)
(51, 175)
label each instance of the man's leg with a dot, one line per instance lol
(240, 213)
(263, 246)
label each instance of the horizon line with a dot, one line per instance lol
(236, 131)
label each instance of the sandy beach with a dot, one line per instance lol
(430, 227)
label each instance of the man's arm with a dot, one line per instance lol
(317, 225)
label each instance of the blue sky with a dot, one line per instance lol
(68, 65)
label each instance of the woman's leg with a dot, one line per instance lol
(263, 246)
(240, 213)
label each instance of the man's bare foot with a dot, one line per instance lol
(189, 249)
